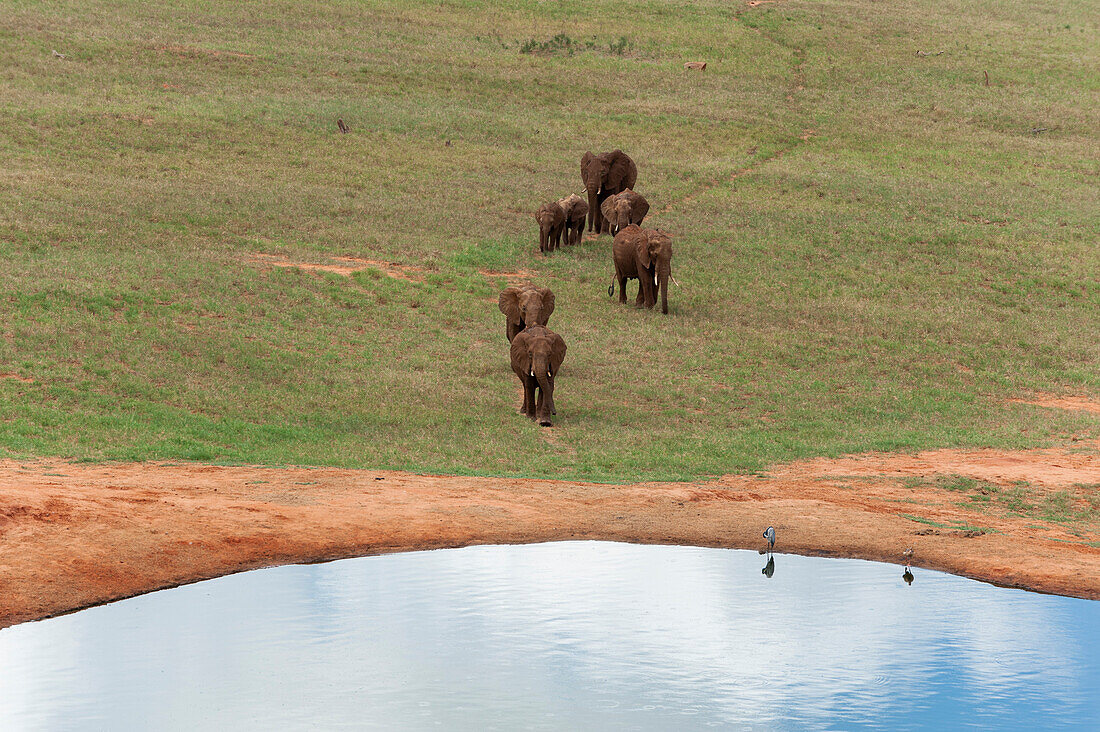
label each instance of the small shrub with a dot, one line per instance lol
(620, 47)
(558, 44)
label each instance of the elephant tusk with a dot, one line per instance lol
(532, 373)
(674, 280)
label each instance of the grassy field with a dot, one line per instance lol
(875, 248)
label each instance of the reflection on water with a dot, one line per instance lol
(575, 635)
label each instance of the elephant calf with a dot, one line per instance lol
(537, 353)
(644, 255)
(576, 210)
(624, 209)
(551, 220)
(525, 305)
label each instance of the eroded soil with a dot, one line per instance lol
(75, 535)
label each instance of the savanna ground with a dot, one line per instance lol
(885, 221)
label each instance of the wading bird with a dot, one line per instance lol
(769, 534)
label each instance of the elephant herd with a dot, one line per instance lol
(643, 254)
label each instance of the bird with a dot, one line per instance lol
(908, 554)
(769, 534)
(907, 576)
(343, 127)
(769, 568)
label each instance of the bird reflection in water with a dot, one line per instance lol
(907, 575)
(769, 568)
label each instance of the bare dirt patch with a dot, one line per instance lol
(345, 266)
(75, 535)
(1054, 402)
(195, 52)
(17, 377)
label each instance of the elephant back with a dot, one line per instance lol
(624, 246)
(574, 207)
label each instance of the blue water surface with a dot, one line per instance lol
(563, 636)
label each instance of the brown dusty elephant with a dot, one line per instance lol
(624, 209)
(575, 212)
(525, 305)
(537, 353)
(551, 224)
(644, 255)
(605, 175)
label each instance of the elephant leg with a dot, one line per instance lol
(622, 289)
(550, 397)
(529, 385)
(641, 299)
(523, 404)
(544, 406)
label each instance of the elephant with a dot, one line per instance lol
(525, 305)
(644, 255)
(624, 209)
(551, 220)
(537, 353)
(605, 175)
(575, 212)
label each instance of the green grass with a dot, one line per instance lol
(1078, 509)
(956, 526)
(887, 283)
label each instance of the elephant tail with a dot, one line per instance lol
(611, 287)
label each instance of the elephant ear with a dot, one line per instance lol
(557, 352)
(608, 207)
(586, 160)
(547, 303)
(518, 352)
(642, 244)
(622, 173)
(641, 208)
(509, 304)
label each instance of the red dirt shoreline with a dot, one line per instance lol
(77, 535)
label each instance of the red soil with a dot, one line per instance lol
(75, 535)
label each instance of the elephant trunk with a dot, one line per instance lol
(532, 315)
(545, 403)
(664, 271)
(594, 210)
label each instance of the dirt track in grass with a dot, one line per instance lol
(75, 535)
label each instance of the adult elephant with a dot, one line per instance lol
(525, 305)
(576, 210)
(537, 354)
(644, 255)
(551, 221)
(624, 209)
(605, 175)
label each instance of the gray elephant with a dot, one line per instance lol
(575, 212)
(644, 255)
(523, 306)
(624, 209)
(605, 175)
(551, 220)
(537, 353)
